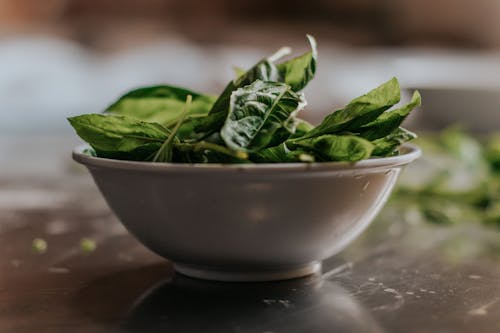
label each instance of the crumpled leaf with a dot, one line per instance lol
(296, 72)
(257, 112)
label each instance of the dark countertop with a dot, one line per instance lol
(397, 277)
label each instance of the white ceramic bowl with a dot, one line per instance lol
(246, 222)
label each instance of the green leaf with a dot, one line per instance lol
(348, 148)
(389, 144)
(297, 72)
(119, 136)
(264, 70)
(302, 128)
(281, 154)
(276, 154)
(389, 121)
(162, 104)
(257, 112)
(360, 111)
(208, 152)
(441, 210)
(165, 153)
(238, 71)
(492, 151)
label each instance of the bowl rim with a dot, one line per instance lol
(409, 152)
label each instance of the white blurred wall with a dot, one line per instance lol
(43, 80)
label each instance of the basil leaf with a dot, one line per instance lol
(208, 152)
(297, 72)
(162, 104)
(238, 72)
(263, 70)
(271, 155)
(165, 153)
(302, 128)
(389, 144)
(389, 121)
(330, 147)
(281, 154)
(257, 112)
(360, 111)
(492, 151)
(119, 136)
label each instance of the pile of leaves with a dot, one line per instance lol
(254, 120)
(457, 180)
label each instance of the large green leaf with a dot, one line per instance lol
(348, 148)
(360, 111)
(389, 144)
(389, 121)
(297, 72)
(119, 136)
(264, 70)
(162, 104)
(257, 112)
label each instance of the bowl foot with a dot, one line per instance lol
(219, 274)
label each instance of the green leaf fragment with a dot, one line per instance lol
(87, 245)
(39, 245)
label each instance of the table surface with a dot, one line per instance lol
(397, 277)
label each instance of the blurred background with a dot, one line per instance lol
(66, 57)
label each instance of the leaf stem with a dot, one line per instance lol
(168, 142)
(284, 51)
(202, 145)
(145, 138)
